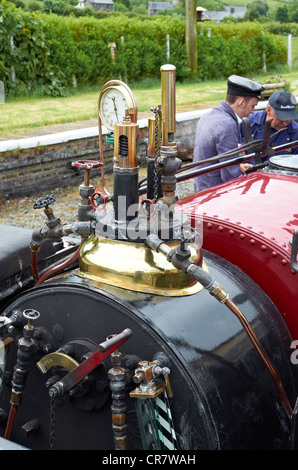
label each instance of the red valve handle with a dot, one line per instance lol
(98, 199)
(147, 203)
(87, 164)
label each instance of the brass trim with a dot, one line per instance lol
(168, 98)
(56, 359)
(135, 267)
(153, 393)
(130, 131)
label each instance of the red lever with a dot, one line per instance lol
(80, 372)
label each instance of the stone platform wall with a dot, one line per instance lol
(38, 164)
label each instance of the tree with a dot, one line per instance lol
(282, 14)
(260, 6)
(293, 12)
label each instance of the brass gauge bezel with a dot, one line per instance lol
(124, 93)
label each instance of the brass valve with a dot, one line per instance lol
(145, 375)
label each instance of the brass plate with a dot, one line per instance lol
(135, 267)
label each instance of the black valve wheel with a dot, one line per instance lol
(44, 201)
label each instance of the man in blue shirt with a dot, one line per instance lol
(281, 108)
(218, 130)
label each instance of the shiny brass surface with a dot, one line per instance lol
(135, 267)
(151, 130)
(168, 98)
(149, 393)
(56, 359)
(129, 131)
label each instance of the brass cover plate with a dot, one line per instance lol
(135, 267)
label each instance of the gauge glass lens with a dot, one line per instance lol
(112, 107)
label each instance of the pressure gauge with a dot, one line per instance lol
(113, 103)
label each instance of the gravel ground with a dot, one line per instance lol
(20, 212)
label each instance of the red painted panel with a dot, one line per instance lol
(250, 222)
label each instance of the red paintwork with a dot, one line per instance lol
(250, 221)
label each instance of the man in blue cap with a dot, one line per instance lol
(218, 130)
(281, 108)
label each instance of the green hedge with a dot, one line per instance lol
(232, 48)
(81, 47)
(49, 49)
(237, 48)
(27, 57)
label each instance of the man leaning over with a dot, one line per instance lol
(281, 108)
(218, 130)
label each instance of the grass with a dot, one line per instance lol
(26, 115)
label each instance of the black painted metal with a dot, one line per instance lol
(224, 397)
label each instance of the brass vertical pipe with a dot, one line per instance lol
(168, 102)
(151, 135)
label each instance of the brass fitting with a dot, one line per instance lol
(220, 294)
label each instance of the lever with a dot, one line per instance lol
(87, 366)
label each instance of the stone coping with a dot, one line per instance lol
(89, 132)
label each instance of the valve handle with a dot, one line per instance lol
(87, 164)
(79, 373)
(147, 207)
(98, 199)
(31, 314)
(44, 201)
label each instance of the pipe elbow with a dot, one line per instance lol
(36, 237)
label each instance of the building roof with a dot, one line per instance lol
(235, 12)
(102, 2)
(160, 5)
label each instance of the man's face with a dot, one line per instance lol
(247, 106)
(276, 123)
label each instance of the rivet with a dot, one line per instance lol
(242, 236)
(263, 248)
(209, 225)
(274, 254)
(220, 228)
(284, 261)
(231, 232)
(252, 241)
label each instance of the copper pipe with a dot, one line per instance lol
(101, 156)
(34, 269)
(262, 353)
(10, 422)
(59, 267)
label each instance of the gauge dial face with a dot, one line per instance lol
(112, 106)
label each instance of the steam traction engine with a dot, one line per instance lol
(153, 324)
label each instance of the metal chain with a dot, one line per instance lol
(157, 113)
(52, 439)
(157, 145)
